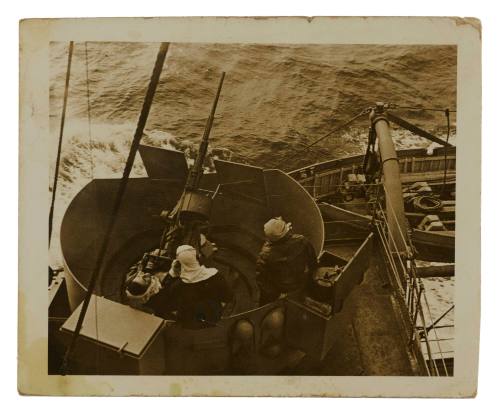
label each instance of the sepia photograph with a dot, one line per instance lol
(242, 208)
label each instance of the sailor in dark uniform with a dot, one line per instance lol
(286, 261)
(202, 293)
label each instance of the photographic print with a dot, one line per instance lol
(255, 210)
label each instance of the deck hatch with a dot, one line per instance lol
(119, 326)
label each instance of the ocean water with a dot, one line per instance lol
(275, 100)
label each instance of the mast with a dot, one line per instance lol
(395, 212)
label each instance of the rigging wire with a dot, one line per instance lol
(434, 325)
(447, 114)
(96, 313)
(337, 129)
(148, 100)
(362, 113)
(420, 108)
(89, 112)
(61, 132)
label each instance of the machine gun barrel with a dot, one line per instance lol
(197, 169)
(192, 208)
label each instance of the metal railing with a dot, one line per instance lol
(410, 293)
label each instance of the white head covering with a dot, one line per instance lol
(276, 228)
(191, 270)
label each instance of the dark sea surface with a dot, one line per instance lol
(275, 100)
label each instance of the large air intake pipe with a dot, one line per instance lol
(395, 212)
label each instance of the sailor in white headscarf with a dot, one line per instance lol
(203, 292)
(187, 267)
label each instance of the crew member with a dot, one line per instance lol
(140, 288)
(286, 261)
(202, 293)
(148, 286)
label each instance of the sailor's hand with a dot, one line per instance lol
(175, 269)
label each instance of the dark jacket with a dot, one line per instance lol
(199, 304)
(284, 266)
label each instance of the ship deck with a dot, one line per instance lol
(369, 339)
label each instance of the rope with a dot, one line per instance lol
(370, 148)
(160, 59)
(376, 201)
(426, 203)
(61, 131)
(344, 125)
